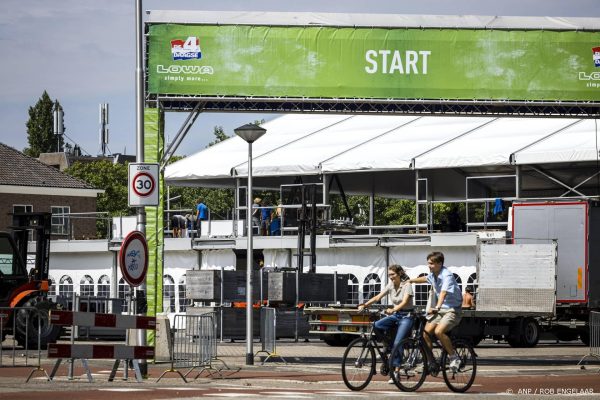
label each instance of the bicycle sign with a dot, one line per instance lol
(133, 258)
(143, 184)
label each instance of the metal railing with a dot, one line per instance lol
(594, 338)
(16, 332)
(268, 334)
(194, 345)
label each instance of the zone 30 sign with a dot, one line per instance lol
(143, 184)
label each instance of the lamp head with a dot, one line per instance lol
(250, 132)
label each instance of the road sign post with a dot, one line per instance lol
(143, 184)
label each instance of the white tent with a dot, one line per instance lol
(492, 144)
(577, 142)
(380, 154)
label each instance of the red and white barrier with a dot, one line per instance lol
(100, 351)
(89, 319)
(116, 352)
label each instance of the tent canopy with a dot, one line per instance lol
(381, 153)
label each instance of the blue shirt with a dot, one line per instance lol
(202, 211)
(275, 226)
(265, 214)
(445, 282)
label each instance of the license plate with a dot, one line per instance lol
(349, 329)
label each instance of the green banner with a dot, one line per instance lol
(327, 62)
(153, 151)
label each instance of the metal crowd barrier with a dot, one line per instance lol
(268, 334)
(594, 325)
(194, 345)
(21, 356)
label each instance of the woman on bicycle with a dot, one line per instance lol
(401, 296)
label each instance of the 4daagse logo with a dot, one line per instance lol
(596, 56)
(188, 49)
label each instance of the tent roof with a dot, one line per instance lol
(371, 20)
(577, 142)
(219, 160)
(492, 144)
(308, 144)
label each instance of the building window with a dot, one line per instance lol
(472, 283)
(183, 302)
(52, 287)
(24, 208)
(86, 286)
(104, 286)
(65, 287)
(371, 286)
(353, 287)
(124, 290)
(60, 221)
(169, 292)
(421, 292)
(458, 281)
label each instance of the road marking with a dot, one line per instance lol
(231, 395)
(179, 388)
(125, 390)
(291, 395)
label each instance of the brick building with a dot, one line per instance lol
(27, 184)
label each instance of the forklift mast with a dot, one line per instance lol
(40, 223)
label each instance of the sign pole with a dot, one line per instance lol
(139, 121)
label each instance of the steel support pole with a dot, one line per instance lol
(249, 263)
(139, 124)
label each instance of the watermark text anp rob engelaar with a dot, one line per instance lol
(550, 391)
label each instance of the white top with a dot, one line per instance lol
(397, 294)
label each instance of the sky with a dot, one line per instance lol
(82, 52)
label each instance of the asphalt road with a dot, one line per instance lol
(312, 371)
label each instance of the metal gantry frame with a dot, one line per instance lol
(380, 106)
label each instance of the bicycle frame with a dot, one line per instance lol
(433, 362)
(372, 342)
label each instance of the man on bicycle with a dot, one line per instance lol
(447, 313)
(401, 296)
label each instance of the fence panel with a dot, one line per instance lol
(268, 334)
(194, 343)
(594, 325)
(595, 334)
(20, 326)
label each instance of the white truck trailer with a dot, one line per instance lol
(543, 278)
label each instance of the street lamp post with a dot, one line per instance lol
(250, 133)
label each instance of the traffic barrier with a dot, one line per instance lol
(194, 345)
(83, 352)
(594, 325)
(8, 335)
(268, 334)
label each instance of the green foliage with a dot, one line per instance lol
(219, 201)
(40, 133)
(220, 135)
(394, 211)
(387, 211)
(113, 179)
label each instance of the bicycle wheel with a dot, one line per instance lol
(461, 379)
(358, 364)
(408, 365)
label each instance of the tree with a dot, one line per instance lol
(220, 136)
(113, 179)
(40, 133)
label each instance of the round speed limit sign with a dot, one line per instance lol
(143, 181)
(143, 184)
